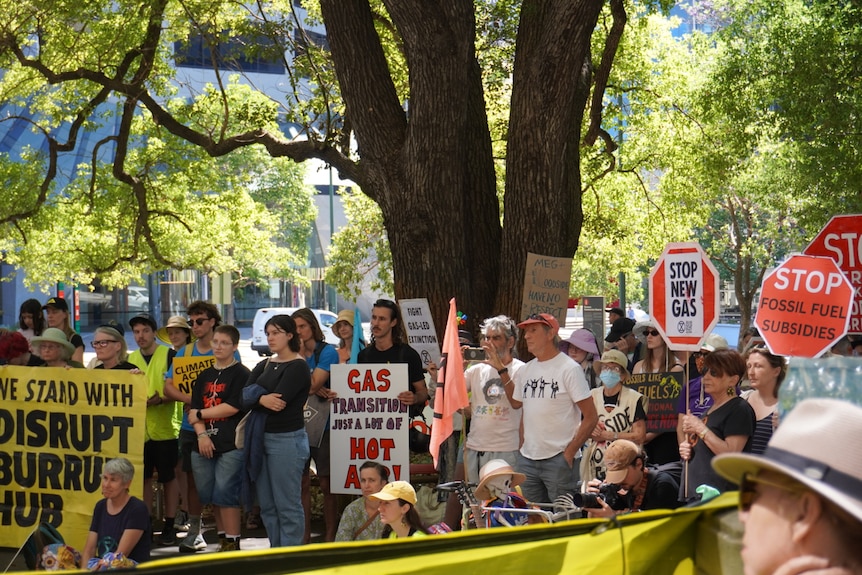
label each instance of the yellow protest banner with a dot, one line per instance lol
(652, 542)
(188, 368)
(57, 428)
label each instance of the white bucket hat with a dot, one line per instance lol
(818, 444)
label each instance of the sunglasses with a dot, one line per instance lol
(199, 321)
(652, 332)
(748, 490)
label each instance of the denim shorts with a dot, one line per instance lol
(219, 479)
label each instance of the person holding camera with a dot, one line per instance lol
(629, 485)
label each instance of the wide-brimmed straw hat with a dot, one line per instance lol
(54, 335)
(818, 444)
(174, 321)
(495, 468)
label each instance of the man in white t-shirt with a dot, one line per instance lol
(554, 395)
(494, 425)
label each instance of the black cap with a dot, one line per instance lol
(57, 303)
(617, 310)
(113, 324)
(620, 328)
(143, 318)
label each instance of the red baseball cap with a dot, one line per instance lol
(543, 318)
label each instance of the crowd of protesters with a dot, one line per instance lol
(561, 425)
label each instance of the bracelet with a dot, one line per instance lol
(703, 433)
(203, 434)
(502, 371)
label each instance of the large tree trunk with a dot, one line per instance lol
(543, 184)
(431, 168)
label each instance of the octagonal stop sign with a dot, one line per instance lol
(841, 240)
(804, 306)
(683, 295)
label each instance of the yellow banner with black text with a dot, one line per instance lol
(57, 428)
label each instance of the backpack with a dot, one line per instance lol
(44, 534)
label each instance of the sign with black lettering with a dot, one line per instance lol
(683, 298)
(546, 286)
(421, 334)
(57, 428)
(661, 393)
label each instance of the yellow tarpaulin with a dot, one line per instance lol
(650, 543)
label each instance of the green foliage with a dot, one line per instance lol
(360, 250)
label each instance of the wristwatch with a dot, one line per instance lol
(703, 433)
(199, 415)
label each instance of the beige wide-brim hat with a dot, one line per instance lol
(174, 321)
(818, 444)
(54, 335)
(495, 468)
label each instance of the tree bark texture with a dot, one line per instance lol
(428, 162)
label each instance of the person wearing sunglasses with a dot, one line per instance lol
(204, 317)
(699, 401)
(661, 448)
(558, 412)
(801, 500)
(727, 426)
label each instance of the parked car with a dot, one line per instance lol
(139, 298)
(258, 337)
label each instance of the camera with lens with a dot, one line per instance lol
(608, 492)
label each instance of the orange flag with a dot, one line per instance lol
(451, 388)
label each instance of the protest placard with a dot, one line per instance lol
(546, 286)
(368, 423)
(661, 393)
(188, 368)
(421, 334)
(57, 429)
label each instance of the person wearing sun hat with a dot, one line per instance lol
(343, 329)
(583, 348)
(54, 348)
(176, 332)
(558, 413)
(496, 488)
(622, 414)
(801, 500)
(398, 511)
(645, 488)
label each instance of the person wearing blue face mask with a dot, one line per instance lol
(621, 414)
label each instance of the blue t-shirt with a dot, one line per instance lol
(328, 357)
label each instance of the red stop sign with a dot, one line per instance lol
(804, 306)
(841, 240)
(683, 295)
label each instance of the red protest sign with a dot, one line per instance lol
(804, 306)
(683, 295)
(841, 240)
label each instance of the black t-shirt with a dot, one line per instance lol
(396, 354)
(76, 340)
(735, 417)
(217, 386)
(662, 491)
